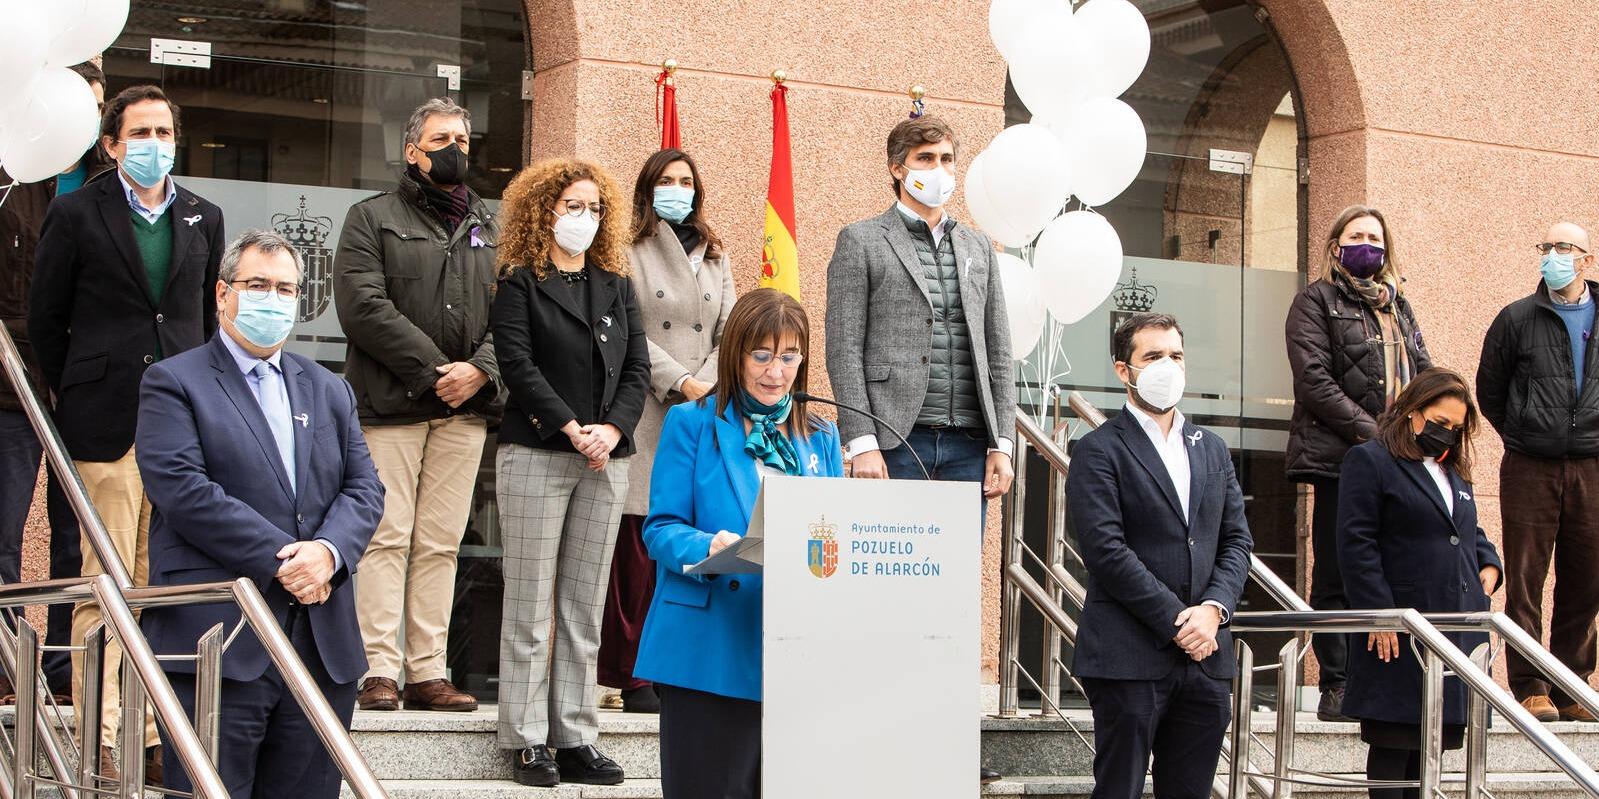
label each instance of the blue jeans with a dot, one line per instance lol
(949, 453)
(19, 471)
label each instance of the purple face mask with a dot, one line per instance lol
(1362, 260)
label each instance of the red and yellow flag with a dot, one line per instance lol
(666, 107)
(779, 255)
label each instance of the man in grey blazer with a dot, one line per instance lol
(917, 332)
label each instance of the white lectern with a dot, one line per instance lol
(872, 619)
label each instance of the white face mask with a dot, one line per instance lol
(931, 187)
(575, 233)
(1160, 384)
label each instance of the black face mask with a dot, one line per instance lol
(449, 166)
(1436, 440)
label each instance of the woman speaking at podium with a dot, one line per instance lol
(702, 639)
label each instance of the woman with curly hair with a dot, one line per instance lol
(572, 352)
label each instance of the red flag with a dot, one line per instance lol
(666, 109)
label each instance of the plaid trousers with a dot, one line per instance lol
(558, 520)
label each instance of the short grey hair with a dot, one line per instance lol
(263, 241)
(438, 106)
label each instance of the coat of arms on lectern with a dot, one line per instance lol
(821, 552)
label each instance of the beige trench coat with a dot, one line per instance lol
(683, 315)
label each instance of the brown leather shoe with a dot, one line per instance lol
(108, 764)
(438, 695)
(379, 693)
(1541, 708)
(153, 771)
(1576, 713)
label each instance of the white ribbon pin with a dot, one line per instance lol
(192, 219)
(1464, 497)
(814, 461)
(303, 419)
(1194, 439)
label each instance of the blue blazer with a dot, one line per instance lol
(223, 507)
(1400, 546)
(704, 633)
(1145, 564)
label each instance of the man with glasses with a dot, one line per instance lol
(255, 465)
(1537, 384)
(122, 278)
(413, 282)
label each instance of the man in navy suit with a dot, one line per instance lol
(255, 467)
(1159, 517)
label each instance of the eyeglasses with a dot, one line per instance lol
(1561, 247)
(259, 289)
(577, 207)
(764, 358)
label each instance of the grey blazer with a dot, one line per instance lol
(683, 316)
(879, 317)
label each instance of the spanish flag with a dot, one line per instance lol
(779, 256)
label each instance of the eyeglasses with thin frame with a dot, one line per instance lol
(577, 207)
(1561, 247)
(259, 289)
(788, 359)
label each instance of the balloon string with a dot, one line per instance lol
(9, 187)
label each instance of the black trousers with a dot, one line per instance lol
(710, 745)
(1179, 720)
(1327, 581)
(268, 748)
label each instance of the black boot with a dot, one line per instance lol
(535, 767)
(1331, 707)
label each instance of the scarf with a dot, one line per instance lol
(686, 236)
(451, 206)
(766, 442)
(1397, 368)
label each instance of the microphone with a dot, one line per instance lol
(806, 397)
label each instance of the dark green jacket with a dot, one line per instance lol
(411, 297)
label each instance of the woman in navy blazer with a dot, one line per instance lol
(702, 639)
(1408, 538)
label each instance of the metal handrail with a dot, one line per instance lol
(114, 592)
(1411, 621)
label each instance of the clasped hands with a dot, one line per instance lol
(594, 441)
(458, 382)
(306, 569)
(1196, 630)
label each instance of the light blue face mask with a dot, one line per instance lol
(265, 323)
(1558, 270)
(148, 161)
(673, 203)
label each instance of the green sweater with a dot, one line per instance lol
(155, 249)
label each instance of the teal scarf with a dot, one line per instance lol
(766, 442)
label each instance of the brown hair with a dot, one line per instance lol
(527, 214)
(1393, 426)
(1329, 255)
(1121, 342)
(759, 317)
(645, 220)
(915, 132)
(111, 118)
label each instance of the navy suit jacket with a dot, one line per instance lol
(1400, 546)
(1145, 564)
(223, 507)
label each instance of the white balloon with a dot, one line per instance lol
(82, 29)
(1052, 65)
(1056, 125)
(1024, 307)
(1077, 263)
(22, 53)
(1026, 182)
(1119, 34)
(1007, 19)
(1105, 142)
(982, 209)
(53, 130)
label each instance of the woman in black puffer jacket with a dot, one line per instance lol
(1353, 344)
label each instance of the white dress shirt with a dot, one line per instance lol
(1173, 451)
(1440, 477)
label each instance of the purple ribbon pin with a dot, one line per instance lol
(477, 241)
